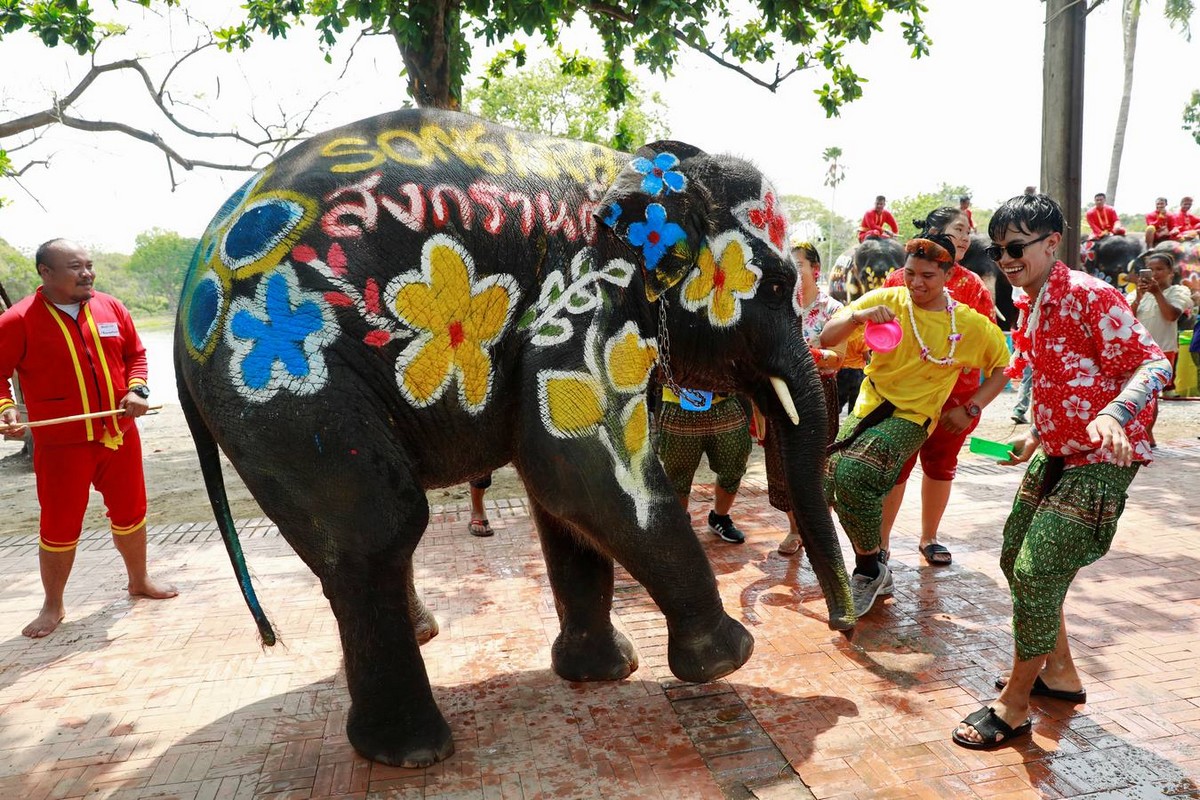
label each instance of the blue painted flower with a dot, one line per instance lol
(655, 235)
(659, 174)
(278, 338)
(614, 214)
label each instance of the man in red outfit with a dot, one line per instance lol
(964, 205)
(1102, 219)
(1160, 225)
(1187, 223)
(875, 223)
(76, 352)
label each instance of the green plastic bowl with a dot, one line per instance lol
(986, 447)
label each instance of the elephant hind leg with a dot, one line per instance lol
(393, 717)
(588, 647)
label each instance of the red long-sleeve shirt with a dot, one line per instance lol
(1160, 221)
(1185, 221)
(70, 366)
(1102, 220)
(873, 222)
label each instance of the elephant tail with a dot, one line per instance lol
(214, 483)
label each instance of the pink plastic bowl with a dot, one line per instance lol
(883, 337)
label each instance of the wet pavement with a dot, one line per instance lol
(175, 699)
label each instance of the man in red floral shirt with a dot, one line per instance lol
(1096, 372)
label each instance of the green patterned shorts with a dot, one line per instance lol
(1049, 539)
(722, 433)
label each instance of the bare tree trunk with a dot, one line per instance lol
(1131, 12)
(1062, 116)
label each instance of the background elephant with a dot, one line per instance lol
(415, 299)
(1187, 254)
(874, 260)
(1109, 258)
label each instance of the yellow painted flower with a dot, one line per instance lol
(456, 318)
(721, 278)
(629, 358)
(572, 403)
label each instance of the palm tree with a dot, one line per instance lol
(834, 175)
(1178, 14)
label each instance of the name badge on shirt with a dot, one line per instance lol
(109, 329)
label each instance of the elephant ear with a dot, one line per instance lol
(661, 212)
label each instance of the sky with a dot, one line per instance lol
(968, 114)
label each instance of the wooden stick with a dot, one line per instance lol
(78, 417)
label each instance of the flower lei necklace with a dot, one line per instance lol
(1023, 335)
(954, 338)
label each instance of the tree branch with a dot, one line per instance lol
(150, 138)
(612, 12)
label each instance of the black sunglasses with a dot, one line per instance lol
(1014, 249)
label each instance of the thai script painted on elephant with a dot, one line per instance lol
(472, 146)
(353, 210)
(606, 400)
(724, 275)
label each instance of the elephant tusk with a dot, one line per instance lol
(785, 397)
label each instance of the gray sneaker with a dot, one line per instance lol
(865, 590)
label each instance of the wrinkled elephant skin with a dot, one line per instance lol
(415, 299)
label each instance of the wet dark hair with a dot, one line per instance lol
(937, 220)
(1028, 213)
(941, 254)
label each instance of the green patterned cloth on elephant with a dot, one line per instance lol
(1049, 539)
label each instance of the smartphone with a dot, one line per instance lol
(1145, 274)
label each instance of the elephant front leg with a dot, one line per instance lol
(588, 647)
(393, 717)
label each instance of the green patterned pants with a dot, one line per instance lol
(860, 476)
(1047, 540)
(722, 433)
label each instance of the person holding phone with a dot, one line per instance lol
(1159, 303)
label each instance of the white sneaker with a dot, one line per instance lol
(865, 590)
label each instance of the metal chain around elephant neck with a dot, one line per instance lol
(664, 358)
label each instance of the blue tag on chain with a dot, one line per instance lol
(695, 399)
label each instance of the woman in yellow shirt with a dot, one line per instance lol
(902, 397)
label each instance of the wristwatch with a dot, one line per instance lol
(973, 409)
(141, 390)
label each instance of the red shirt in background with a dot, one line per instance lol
(1103, 221)
(873, 222)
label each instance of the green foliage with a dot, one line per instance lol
(795, 35)
(160, 259)
(57, 22)
(1191, 116)
(17, 272)
(143, 281)
(567, 99)
(906, 209)
(836, 230)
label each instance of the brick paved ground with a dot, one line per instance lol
(176, 700)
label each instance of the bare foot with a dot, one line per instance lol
(153, 590)
(45, 623)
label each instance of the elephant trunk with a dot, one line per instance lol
(794, 393)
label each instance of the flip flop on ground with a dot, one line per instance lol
(936, 554)
(481, 527)
(994, 731)
(1040, 689)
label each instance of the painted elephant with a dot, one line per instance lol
(864, 267)
(1187, 254)
(1110, 258)
(415, 299)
